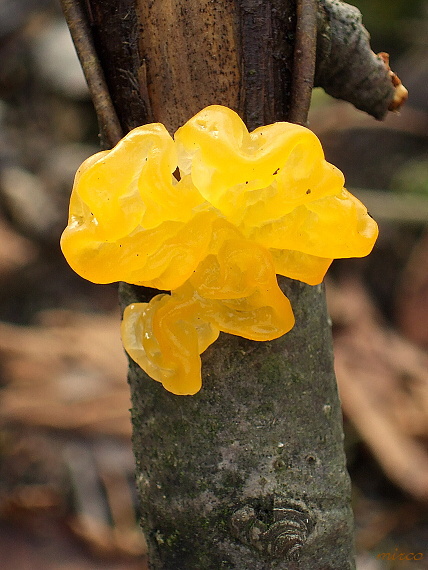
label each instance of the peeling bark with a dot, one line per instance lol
(250, 472)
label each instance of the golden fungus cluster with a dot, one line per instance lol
(246, 206)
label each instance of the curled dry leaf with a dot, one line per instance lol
(383, 384)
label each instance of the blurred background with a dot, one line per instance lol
(67, 498)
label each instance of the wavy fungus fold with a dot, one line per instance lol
(246, 207)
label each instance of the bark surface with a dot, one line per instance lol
(250, 472)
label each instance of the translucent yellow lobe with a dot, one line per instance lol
(245, 207)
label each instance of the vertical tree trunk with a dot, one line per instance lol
(250, 472)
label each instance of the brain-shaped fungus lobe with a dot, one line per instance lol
(247, 206)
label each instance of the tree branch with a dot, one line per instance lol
(110, 129)
(304, 60)
(347, 68)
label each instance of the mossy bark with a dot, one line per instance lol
(250, 472)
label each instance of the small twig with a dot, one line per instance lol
(304, 60)
(111, 131)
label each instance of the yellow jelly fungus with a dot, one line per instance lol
(245, 207)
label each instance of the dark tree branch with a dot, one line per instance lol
(250, 472)
(304, 60)
(110, 129)
(266, 80)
